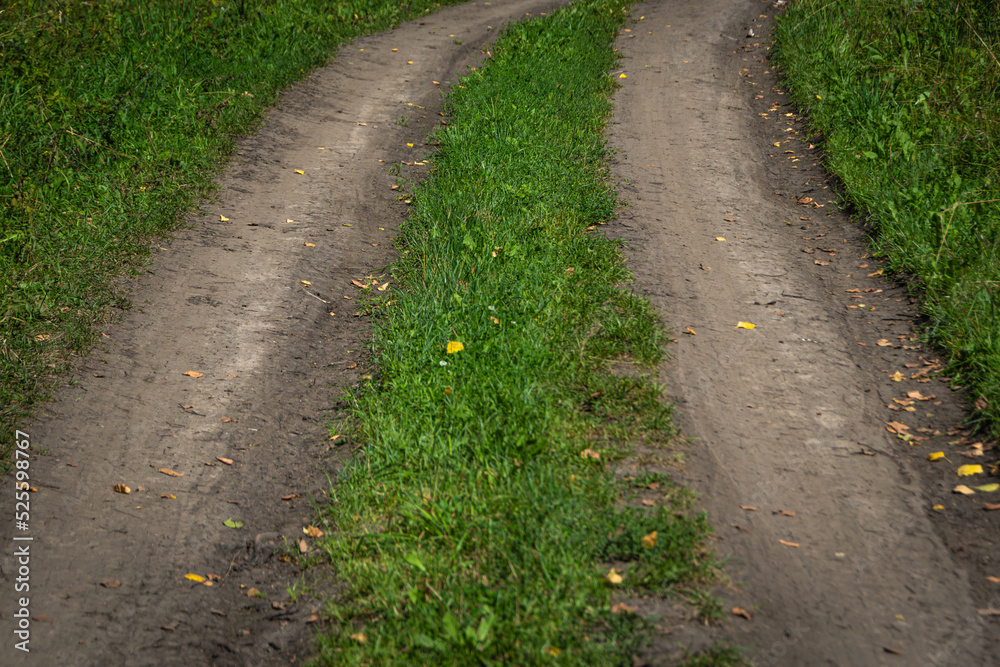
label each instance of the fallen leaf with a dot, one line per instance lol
(891, 649)
(313, 618)
(454, 346)
(988, 488)
(613, 577)
(358, 283)
(738, 611)
(982, 403)
(589, 454)
(989, 611)
(289, 220)
(935, 456)
(169, 496)
(312, 531)
(970, 469)
(784, 512)
(720, 238)
(228, 462)
(359, 637)
(790, 544)
(691, 332)
(254, 593)
(990, 507)
(309, 245)
(622, 608)
(121, 488)
(749, 508)
(382, 288)
(963, 489)
(995, 580)
(745, 325)
(194, 374)
(291, 496)
(877, 273)
(649, 541)
(214, 577)
(194, 577)
(223, 218)
(305, 282)
(896, 377)
(917, 396)
(623, 76)
(170, 473)
(170, 627)
(882, 342)
(229, 523)
(648, 503)
(303, 545)
(299, 171)
(111, 583)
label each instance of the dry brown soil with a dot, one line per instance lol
(787, 417)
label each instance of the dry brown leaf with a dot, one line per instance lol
(995, 580)
(252, 593)
(896, 427)
(313, 618)
(303, 547)
(121, 488)
(291, 496)
(749, 508)
(169, 472)
(170, 627)
(312, 531)
(622, 608)
(111, 583)
(590, 454)
(991, 507)
(228, 462)
(790, 544)
(739, 611)
(194, 374)
(982, 403)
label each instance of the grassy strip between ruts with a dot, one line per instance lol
(114, 117)
(480, 522)
(907, 96)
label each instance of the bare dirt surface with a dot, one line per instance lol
(825, 518)
(227, 299)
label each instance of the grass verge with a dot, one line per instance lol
(479, 522)
(115, 116)
(907, 98)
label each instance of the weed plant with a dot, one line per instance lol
(479, 522)
(907, 98)
(113, 117)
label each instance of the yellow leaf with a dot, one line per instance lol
(613, 577)
(896, 377)
(971, 469)
(553, 651)
(194, 374)
(649, 541)
(382, 288)
(720, 238)
(310, 245)
(299, 171)
(745, 325)
(818, 97)
(194, 577)
(121, 488)
(410, 145)
(312, 531)
(935, 456)
(169, 496)
(454, 346)
(691, 332)
(988, 488)
(963, 489)
(359, 637)
(939, 508)
(395, 50)
(289, 220)
(305, 282)
(223, 218)
(623, 76)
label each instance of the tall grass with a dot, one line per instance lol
(113, 117)
(479, 521)
(907, 97)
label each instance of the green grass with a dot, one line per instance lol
(480, 519)
(907, 98)
(114, 117)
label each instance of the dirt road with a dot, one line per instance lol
(731, 221)
(839, 564)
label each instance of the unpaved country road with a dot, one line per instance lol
(226, 299)
(779, 414)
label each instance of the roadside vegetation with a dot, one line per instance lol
(481, 521)
(115, 115)
(906, 96)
